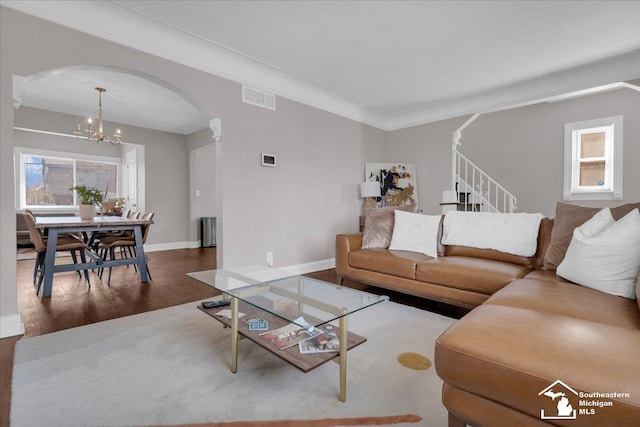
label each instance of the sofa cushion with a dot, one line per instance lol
(567, 218)
(568, 299)
(474, 274)
(396, 263)
(510, 355)
(464, 251)
(605, 254)
(549, 275)
(378, 226)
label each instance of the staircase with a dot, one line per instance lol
(472, 188)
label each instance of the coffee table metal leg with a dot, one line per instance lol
(343, 358)
(234, 335)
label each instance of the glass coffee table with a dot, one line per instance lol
(299, 312)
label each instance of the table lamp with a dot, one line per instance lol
(369, 190)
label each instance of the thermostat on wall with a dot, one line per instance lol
(268, 160)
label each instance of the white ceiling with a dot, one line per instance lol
(391, 64)
(130, 98)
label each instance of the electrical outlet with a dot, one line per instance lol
(270, 259)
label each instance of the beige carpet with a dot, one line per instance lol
(171, 367)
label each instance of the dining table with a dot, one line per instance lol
(53, 226)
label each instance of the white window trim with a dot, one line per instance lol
(18, 153)
(613, 170)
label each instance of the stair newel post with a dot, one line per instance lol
(457, 135)
(454, 158)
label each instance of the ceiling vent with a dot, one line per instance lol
(258, 98)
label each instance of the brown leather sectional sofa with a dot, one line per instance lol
(460, 275)
(530, 336)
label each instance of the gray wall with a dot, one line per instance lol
(165, 168)
(294, 210)
(203, 194)
(526, 147)
(429, 148)
(521, 148)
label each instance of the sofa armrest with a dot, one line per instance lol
(346, 243)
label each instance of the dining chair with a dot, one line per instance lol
(98, 237)
(126, 245)
(23, 241)
(64, 243)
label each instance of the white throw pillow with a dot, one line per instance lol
(513, 233)
(416, 233)
(596, 225)
(608, 260)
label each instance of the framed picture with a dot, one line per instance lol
(398, 183)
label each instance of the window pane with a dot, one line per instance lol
(592, 145)
(103, 176)
(47, 181)
(592, 174)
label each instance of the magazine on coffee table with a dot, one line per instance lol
(327, 342)
(290, 335)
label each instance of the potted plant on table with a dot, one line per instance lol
(90, 197)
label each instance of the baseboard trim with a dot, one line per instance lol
(310, 267)
(304, 268)
(11, 325)
(264, 273)
(171, 246)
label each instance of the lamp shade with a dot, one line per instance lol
(370, 189)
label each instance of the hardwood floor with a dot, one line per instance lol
(74, 304)
(7, 346)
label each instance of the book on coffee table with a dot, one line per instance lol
(290, 335)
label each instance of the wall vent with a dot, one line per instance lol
(258, 98)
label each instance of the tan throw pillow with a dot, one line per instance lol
(378, 226)
(568, 218)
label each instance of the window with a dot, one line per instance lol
(45, 177)
(593, 159)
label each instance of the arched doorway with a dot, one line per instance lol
(136, 102)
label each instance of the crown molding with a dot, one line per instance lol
(123, 26)
(589, 79)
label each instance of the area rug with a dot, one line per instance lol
(171, 367)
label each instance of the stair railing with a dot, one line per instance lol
(478, 191)
(475, 189)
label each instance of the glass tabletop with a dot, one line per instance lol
(302, 300)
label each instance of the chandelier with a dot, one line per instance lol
(98, 136)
